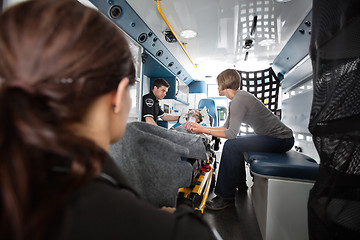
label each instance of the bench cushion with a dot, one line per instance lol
(291, 164)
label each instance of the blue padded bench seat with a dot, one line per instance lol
(280, 191)
(291, 164)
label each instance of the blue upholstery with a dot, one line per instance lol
(210, 105)
(291, 164)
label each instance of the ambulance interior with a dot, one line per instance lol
(188, 43)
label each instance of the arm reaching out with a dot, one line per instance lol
(197, 128)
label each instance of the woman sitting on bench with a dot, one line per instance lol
(271, 135)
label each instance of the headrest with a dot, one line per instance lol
(211, 106)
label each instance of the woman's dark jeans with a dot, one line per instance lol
(232, 165)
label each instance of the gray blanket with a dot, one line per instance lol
(149, 158)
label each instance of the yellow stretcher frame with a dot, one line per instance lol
(196, 195)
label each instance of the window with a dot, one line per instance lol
(212, 91)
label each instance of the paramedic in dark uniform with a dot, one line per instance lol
(151, 109)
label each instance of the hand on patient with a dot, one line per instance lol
(195, 127)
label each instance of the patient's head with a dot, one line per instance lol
(195, 115)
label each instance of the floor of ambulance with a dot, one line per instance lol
(236, 222)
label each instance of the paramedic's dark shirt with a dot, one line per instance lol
(151, 107)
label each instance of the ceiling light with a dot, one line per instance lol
(188, 34)
(282, 1)
(266, 42)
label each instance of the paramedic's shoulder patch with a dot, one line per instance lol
(149, 102)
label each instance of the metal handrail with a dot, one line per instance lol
(173, 32)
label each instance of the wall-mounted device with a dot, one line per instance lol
(166, 108)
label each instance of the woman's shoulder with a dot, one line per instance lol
(105, 209)
(243, 93)
(243, 96)
(102, 211)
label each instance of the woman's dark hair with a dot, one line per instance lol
(56, 59)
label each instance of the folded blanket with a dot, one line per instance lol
(149, 158)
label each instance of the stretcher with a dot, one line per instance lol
(203, 182)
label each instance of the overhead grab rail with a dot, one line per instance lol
(172, 30)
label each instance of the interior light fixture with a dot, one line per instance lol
(282, 1)
(188, 34)
(266, 42)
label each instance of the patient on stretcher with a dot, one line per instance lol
(149, 156)
(200, 116)
(155, 160)
(193, 115)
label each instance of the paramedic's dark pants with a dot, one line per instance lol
(232, 166)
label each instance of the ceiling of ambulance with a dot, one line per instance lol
(225, 36)
(222, 26)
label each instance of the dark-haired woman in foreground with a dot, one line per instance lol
(65, 72)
